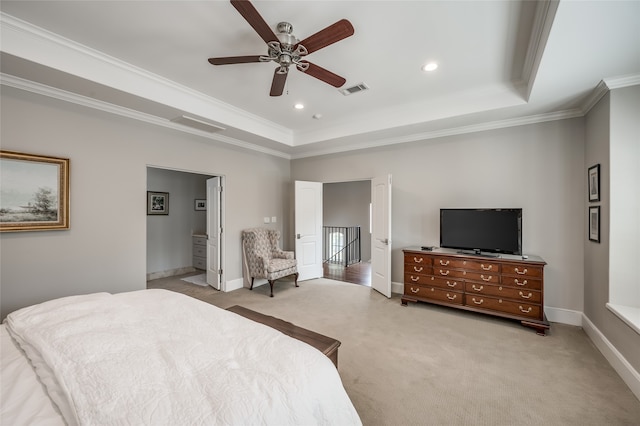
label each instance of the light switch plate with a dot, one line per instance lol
(273, 219)
(266, 219)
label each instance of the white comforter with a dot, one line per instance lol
(156, 357)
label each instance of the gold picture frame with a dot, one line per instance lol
(34, 192)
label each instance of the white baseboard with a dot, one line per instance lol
(563, 316)
(170, 273)
(397, 288)
(231, 285)
(626, 371)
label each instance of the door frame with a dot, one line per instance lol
(221, 248)
(370, 180)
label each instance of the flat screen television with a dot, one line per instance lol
(482, 230)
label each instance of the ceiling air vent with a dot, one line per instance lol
(197, 123)
(354, 89)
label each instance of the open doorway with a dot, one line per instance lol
(347, 231)
(178, 239)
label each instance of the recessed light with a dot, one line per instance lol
(431, 66)
(298, 106)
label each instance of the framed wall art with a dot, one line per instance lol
(200, 204)
(157, 203)
(594, 183)
(594, 223)
(34, 192)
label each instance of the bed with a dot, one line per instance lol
(156, 357)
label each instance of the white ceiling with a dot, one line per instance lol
(501, 63)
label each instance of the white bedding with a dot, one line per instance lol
(161, 358)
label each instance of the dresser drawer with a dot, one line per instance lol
(433, 293)
(200, 262)
(448, 283)
(449, 262)
(473, 288)
(440, 271)
(522, 282)
(410, 278)
(201, 241)
(522, 270)
(418, 269)
(417, 259)
(492, 267)
(522, 309)
(487, 277)
(200, 251)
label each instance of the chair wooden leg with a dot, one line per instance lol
(271, 284)
(251, 288)
(296, 279)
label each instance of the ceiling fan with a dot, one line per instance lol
(285, 50)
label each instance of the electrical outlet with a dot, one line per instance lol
(266, 219)
(273, 219)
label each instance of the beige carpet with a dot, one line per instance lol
(429, 365)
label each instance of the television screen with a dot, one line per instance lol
(489, 230)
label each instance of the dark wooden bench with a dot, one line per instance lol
(324, 344)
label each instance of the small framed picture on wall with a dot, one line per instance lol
(200, 204)
(594, 183)
(594, 224)
(157, 203)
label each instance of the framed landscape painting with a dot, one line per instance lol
(34, 192)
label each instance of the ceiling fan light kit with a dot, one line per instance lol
(285, 49)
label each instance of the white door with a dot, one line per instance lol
(214, 230)
(308, 229)
(381, 235)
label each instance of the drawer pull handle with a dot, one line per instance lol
(444, 272)
(521, 273)
(415, 279)
(525, 311)
(521, 283)
(477, 302)
(476, 288)
(451, 297)
(452, 284)
(416, 290)
(418, 260)
(526, 296)
(488, 278)
(486, 268)
(444, 262)
(415, 268)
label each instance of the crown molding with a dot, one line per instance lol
(543, 20)
(481, 127)
(606, 85)
(25, 40)
(40, 89)
(62, 95)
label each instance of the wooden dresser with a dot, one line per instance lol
(507, 286)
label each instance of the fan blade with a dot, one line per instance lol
(332, 34)
(251, 15)
(324, 75)
(277, 85)
(234, 60)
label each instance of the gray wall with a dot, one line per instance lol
(169, 242)
(601, 138)
(347, 204)
(537, 167)
(105, 249)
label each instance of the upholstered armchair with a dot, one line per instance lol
(263, 257)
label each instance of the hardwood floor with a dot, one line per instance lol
(358, 273)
